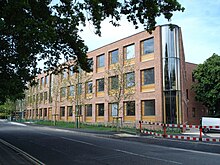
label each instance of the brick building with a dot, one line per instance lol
(149, 68)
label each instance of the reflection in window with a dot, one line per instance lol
(101, 61)
(129, 52)
(148, 76)
(113, 56)
(114, 109)
(89, 87)
(130, 79)
(71, 90)
(113, 82)
(100, 85)
(147, 46)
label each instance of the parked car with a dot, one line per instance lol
(210, 121)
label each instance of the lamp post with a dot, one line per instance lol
(77, 96)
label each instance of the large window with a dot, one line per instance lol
(100, 85)
(90, 63)
(42, 82)
(148, 107)
(100, 109)
(89, 110)
(62, 111)
(148, 76)
(130, 79)
(70, 110)
(129, 108)
(114, 109)
(63, 92)
(147, 46)
(113, 56)
(71, 90)
(64, 74)
(71, 71)
(113, 82)
(79, 89)
(79, 109)
(129, 52)
(101, 61)
(89, 87)
(45, 96)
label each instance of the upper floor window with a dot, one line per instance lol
(71, 90)
(130, 79)
(45, 95)
(89, 87)
(113, 56)
(147, 46)
(79, 89)
(129, 52)
(46, 79)
(148, 76)
(101, 61)
(90, 63)
(63, 92)
(100, 85)
(64, 74)
(71, 71)
(42, 82)
(113, 82)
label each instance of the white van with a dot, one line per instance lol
(210, 121)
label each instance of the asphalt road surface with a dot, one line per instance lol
(55, 146)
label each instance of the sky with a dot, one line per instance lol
(200, 25)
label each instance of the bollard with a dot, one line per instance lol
(200, 133)
(164, 131)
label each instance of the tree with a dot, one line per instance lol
(207, 86)
(33, 30)
(120, 81)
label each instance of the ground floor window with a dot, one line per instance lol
(45, 111)
(89, 110)
(40, 113)
(62, 111)
(148, 107)
(114, 109)
(129, 107)
(70, 110)
(79, 109)
(100, 109)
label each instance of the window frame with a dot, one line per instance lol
(88, 109)
(145, 44)
(126, 53)
(101, 64)
(128, 107)
(132, 84)
(114, 58)
(152, 111)
(145, 77)
(98, 84)
(100, 109)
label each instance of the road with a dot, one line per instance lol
(56, 146)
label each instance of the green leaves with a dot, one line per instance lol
(35, 30)
(207, 88)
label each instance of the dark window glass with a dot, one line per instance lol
(62, 111)
(101, 85)
(148, 76)
(114, 82)
(70, 110)
(149, 107)
(130, 108)
(100, 108)
(89, 110)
